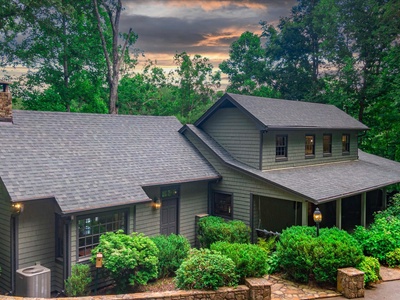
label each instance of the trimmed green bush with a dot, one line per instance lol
(206, 269)
(302, 254)
(78, 283)
(295, 251)
(382, 237)
(393, 258)
(273, 263)
(129, 259)
(214, 229)
(335, 249)
(173, 249)
(370, 266)
(250, 260)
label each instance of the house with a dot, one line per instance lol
(279, 159)
(66, 178)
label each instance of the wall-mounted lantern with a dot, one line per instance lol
(317, 216)
(17, 208)
(156, 203)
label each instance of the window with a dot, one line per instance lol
(310, 146)
(281, 147)
(92, 227)
(327, 144)
(222, 205)
(346, 143)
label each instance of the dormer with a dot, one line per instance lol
(266, 133)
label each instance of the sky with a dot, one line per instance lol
(208, 27)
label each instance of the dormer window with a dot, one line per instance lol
(327, 144)
(310, 146)
(281, 147)
(346, 144)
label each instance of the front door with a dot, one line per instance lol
(169, 211)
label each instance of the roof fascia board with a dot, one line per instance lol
(215, 107)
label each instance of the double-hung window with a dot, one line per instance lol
(345, 143)
(310, 146)
(281, 145)
(91, 227)
(327, 145)
(222, 205)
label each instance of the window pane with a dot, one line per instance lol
(281, 146)
(345, 143)
(90, 229)
(222, 205)
(327, 146)
(310, 143)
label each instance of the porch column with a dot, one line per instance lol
(304, 213)
(364, 209)
(339, 213)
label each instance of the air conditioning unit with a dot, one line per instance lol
(33, 281)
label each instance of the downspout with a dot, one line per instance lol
(13, 250)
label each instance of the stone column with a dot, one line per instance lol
(259, 288)
(350, 282)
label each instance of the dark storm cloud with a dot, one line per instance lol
(203, 27)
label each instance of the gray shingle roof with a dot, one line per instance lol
(88, 161)
(318, 183)
(277, 113)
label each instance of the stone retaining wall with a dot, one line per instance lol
(255, 289)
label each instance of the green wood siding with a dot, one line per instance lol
(240, 184)
(147, 219)
(236, 133)
(5, 247)
(194, 201)
(296, 148)
(36, 232)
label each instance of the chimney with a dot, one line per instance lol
(5, 102)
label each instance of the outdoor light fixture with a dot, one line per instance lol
(156, 204)
(17, 208)
(317, 216)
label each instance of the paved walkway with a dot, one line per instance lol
(389, 289)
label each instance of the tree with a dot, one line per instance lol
(60, 47)
(196, 81)
(246, 67)
(115, 54)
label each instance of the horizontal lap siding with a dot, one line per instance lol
(194, 199)
(296, 148)
(236, 133)
(147, 219)
(36, 236)
(5, 247)
(240, 184)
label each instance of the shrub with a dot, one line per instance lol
(370, 266)
(295, 251)
(250, 260)
(273, 263)
(268, 245)
(173, 249)
(393, 258)
(130, 259)
(206, 269)
(301, 254)
(382, 236)
(78, 283)
(214, 229)
(335, 249)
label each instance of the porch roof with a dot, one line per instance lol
(89, 161)
(321, 182)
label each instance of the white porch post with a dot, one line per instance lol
(304, 213)
(364, 209)
(339, 213)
